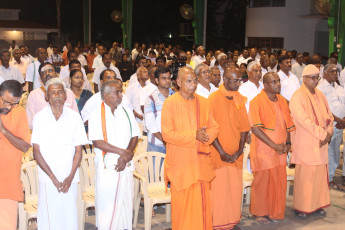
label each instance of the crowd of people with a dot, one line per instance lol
(200, 108)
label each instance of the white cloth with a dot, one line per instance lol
(82, 60)
(339, 66)
(57, 210)
(133, 95)
(1, 80)
(50, 51)
(146, 92)
(202, 91)
(198, 60)
(98, 71)
(243, 60)
(341, 79)
(11, 73)
(133, 79)
(335, 96)
(221, 74)
(94, 102)
(274, 69)
(57, 140)
(249, 90)
(297, 69)
(64, 76)
(97, 62)
(289, 84)
(134, 54)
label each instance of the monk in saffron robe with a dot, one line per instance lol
(227, 106)
(188, 129)
(314, 127)
(269, 117)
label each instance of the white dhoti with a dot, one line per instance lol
(114, 199)
(56, 210)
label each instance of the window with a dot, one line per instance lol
(267, 3)
(275, 43)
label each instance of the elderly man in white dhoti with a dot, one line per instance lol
(114, 133)
(58, 136)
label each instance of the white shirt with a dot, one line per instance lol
(22, 66)
(297, 69)
(146, 92)
(339, 66)
(97, 62)
(82, 60)
(289, 84)
(134, 54)
(249, 90)
(50, 51)
(11, 73)
(274, 69)
(133, 95)
(98, 71)
(133, 79)
(32, 74)
(243, 60)
(94, 102)
(121, 127)
(198, 60)
(1, 80)
(202, 91)
(335, 95)
(57, 140)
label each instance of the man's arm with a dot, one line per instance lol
(66, 184)
(223, 155)
(239, 152)
(106, 147)
(31, 86)
(45, 167)
(95, 87)
(264, 138)
(14, 140)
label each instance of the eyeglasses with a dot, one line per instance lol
(314, 77)
(235, 80)
(333, 71)
(45, 71)
(274, 82)
(205, 72)
(7, 103)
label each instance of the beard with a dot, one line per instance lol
(4, 111)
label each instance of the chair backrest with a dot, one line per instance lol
(141, 146)
(87, 171)
(246, 151)
(29, 178)
(153, 172)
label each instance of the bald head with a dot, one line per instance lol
(232, 78)
(187, 81)
(271, 82)
(183, 71)
(268, 77)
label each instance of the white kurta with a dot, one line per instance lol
(113, 190)
(289, 84)
(57, 140)
(202, 91)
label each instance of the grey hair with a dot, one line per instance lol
(106, 87)
(252, 64)
(214, 67)
(55, 81)
(197, 69)
(325, 69)
(220, 56)
(139, 69)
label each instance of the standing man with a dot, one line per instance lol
(19, 63)
(153, 109)
(58, 137)
(114, 151)
(106, 64)
(32, 75)
(265, 63)
(298, 67)
(289, 81)
(8, 72)
(15, 139)
(200, 57)
(335, 95)
(314, 127)
(188, 129)
(253, 86)
(271, 124)
(97, 61)
(205, 87)
(36, 99)
(215, 76)
(90, 57)
(227, 106)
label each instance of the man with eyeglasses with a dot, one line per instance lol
(205, 87)
(289, 81)
(227, 106)
(314, 127)
(335, 95)
(37, 100)
(253, 86)
(14, 140)
(271, 124)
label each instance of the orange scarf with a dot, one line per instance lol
(239, 99)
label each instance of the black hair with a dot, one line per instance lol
(71, 74)
(13, 87)
(161, 58)
(75, 61)
(101, 76)
(42, 65)
(161, 70)
(106, 53)
(70, 52)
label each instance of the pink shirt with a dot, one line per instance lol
(36, 102)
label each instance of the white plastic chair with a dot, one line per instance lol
(247, 176)
(141, 146)
(152, 186)
(27, 210)
(87, 179)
